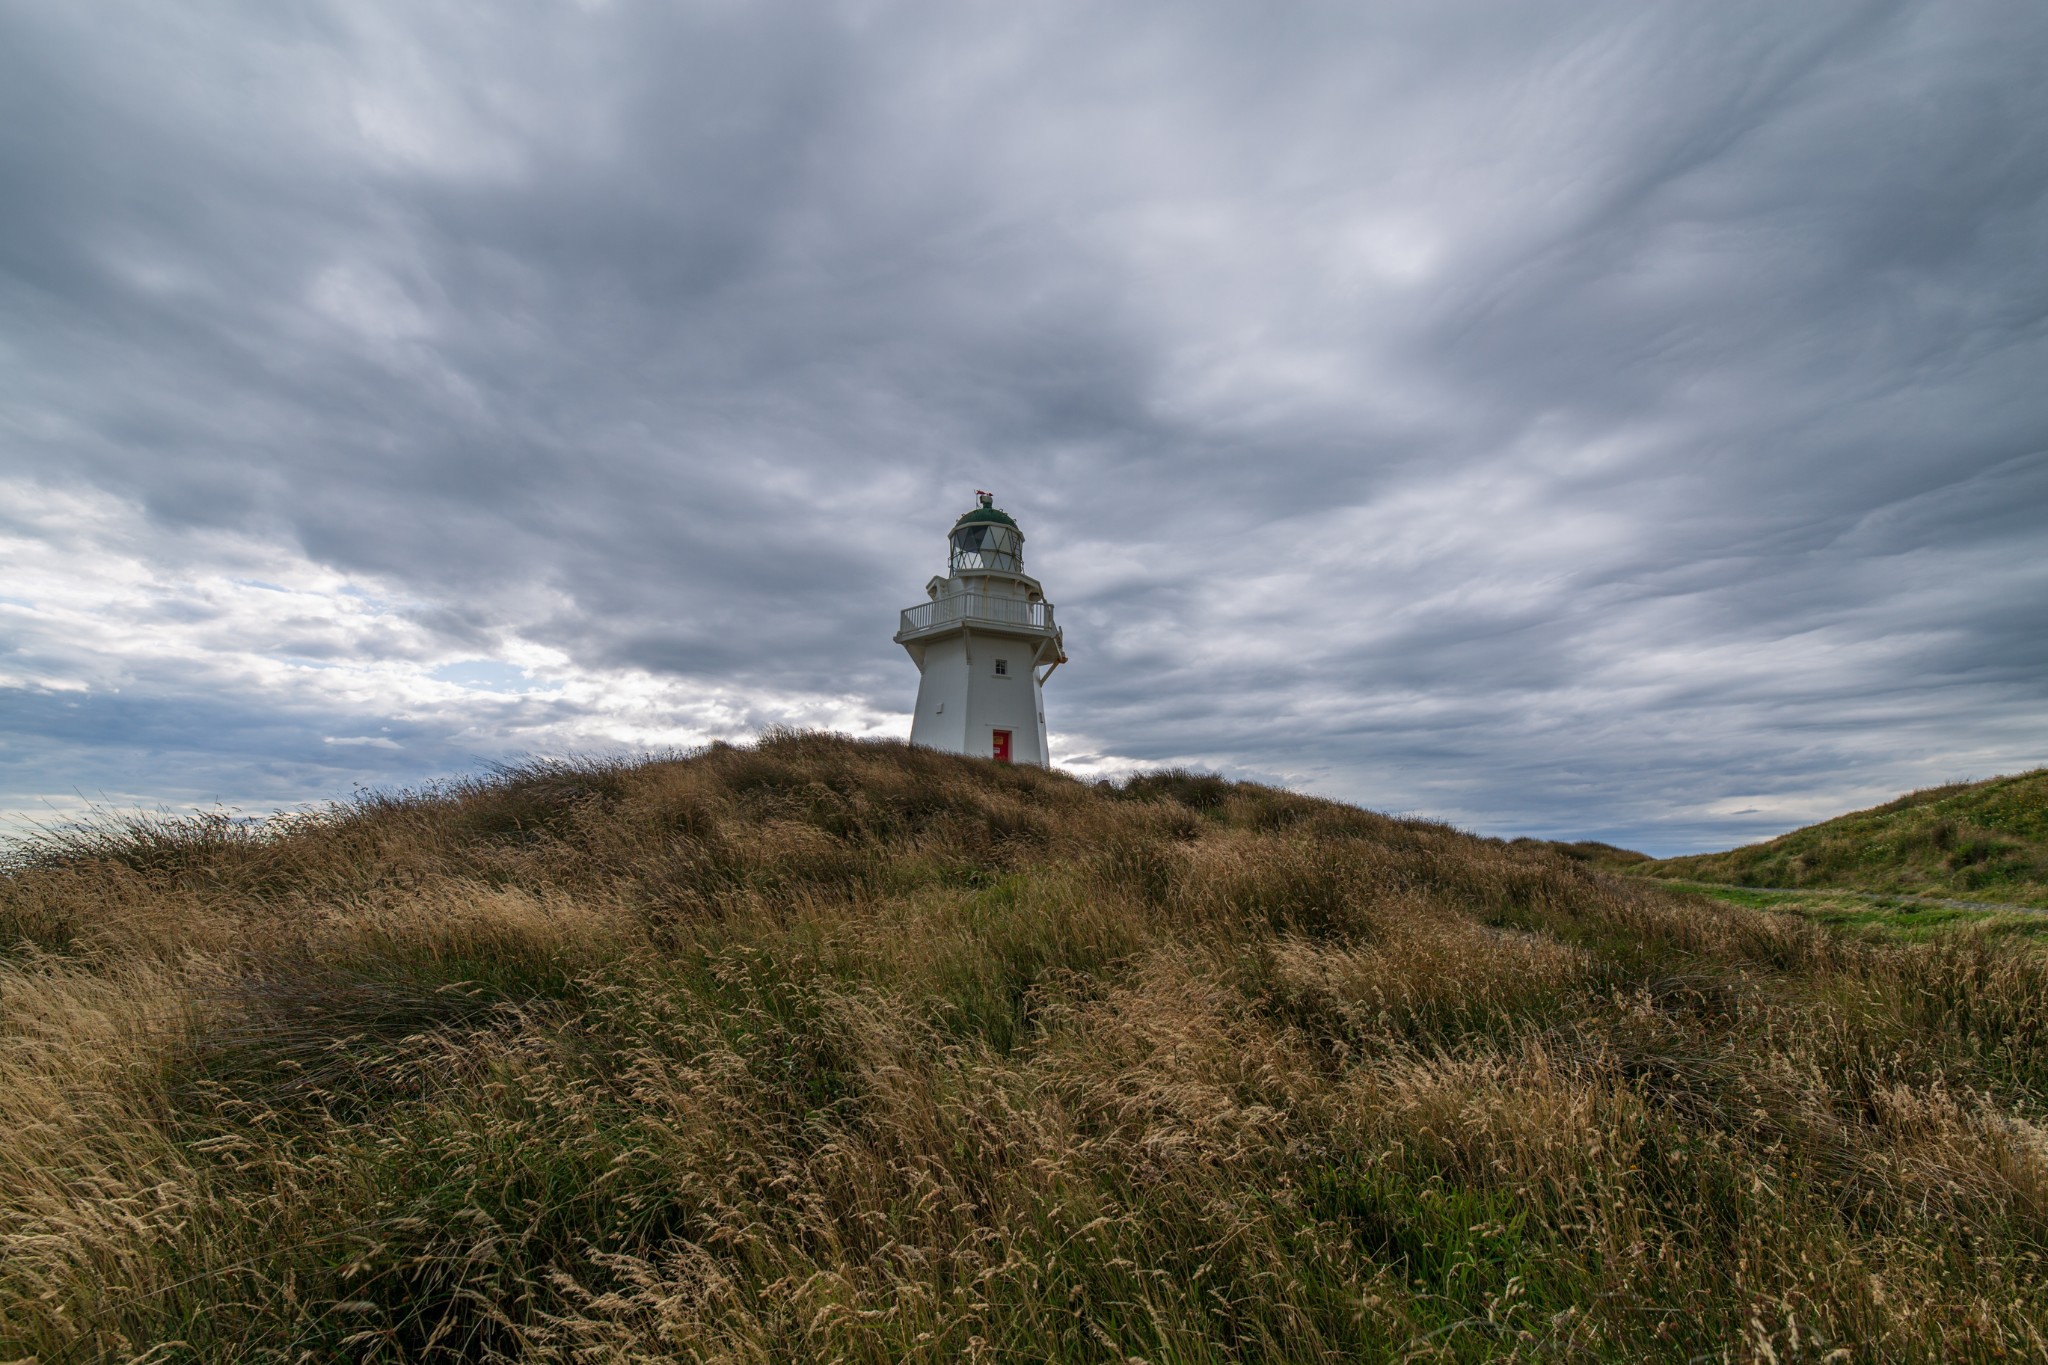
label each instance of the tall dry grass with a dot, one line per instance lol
(819, 1049)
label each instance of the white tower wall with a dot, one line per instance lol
(962, 700)
(942, 697)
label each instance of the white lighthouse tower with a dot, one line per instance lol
(984, 646)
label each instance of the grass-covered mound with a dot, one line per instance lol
(1974, 839)
(831, 1050)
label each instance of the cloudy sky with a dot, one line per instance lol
(1610, 420)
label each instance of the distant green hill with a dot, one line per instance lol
(1985, 840)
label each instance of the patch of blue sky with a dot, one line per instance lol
(484, 675)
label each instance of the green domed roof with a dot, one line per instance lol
(985, 513)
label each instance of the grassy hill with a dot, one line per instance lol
(1987, 840)
(819, 1049)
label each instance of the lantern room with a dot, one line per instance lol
(987, 539)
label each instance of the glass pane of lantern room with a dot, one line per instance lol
(985, 546)
(967, 541)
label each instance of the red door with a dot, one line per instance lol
(1002, 746)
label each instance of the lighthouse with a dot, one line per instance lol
(984, 645)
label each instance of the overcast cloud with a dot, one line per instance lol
(1619, 420)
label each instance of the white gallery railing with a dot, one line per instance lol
(975, 606)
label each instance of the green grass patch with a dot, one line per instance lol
(1887, 917)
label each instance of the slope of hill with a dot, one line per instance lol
(819, 1049)
(1987, 840)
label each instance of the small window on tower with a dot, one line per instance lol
(1002, 668)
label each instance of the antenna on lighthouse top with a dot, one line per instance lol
(988, 499)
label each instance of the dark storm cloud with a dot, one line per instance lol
(1564, 418)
